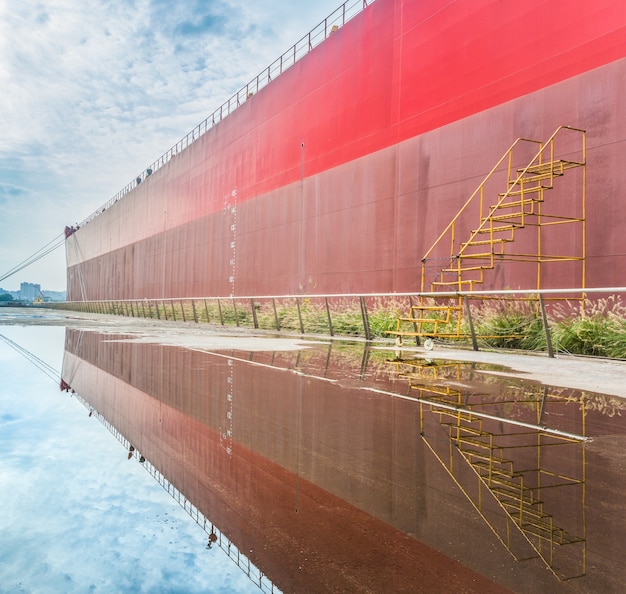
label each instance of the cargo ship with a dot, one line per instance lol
(336, 169)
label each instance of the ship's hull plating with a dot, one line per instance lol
(338, 176)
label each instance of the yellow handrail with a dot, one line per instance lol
(512, 184)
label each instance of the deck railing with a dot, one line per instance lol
(337, 19)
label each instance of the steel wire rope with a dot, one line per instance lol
(50, 371)
(38, 255)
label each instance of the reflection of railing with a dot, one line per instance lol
(526, 481)
(215, 536)
(301, 48)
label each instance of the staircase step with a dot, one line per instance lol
(451, 399)
(475, 255)
(500, 229)
(466, 428)
(549, 169)
(493, 456)
(553, 167)
(500, 240)
(515, 203)
(509, 486)
(511, 215)
(436, 308)
(480, 455)
(530, 189)
(547, 531)
(526, 511)
(456, 283)
(423, 321)
(514, 493)
(459, 415)
(498, 469)
(462, 270)
(465, 440)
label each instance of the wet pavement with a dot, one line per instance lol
(340, 467)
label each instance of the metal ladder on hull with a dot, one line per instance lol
(521, 206)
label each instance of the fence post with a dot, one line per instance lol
(546, 327)
(235, 310)
(471, 322)
(299, 315)
(330, 320)
(366, 321)
(219, 307)
(417, 338)
(275, 314)
(254, 318)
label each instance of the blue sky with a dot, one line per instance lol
(77, 515)
(93, 92)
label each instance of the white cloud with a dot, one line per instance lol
(93, 92)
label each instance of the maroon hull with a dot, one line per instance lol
(338, 175)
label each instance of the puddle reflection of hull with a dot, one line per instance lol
(258, 478)
(318, 450)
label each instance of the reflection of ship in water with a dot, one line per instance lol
(310, 464)
(310, 485)
(527, 478)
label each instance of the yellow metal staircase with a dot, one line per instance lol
(453, 265)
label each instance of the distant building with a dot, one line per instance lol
(29, 291)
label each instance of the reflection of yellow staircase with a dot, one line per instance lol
(517, 491)
(520, 207)
(518, 474)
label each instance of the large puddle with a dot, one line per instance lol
(340, 468)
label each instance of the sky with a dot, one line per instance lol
(77, 515)
(93, 92)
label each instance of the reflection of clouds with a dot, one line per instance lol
(77, 515)
(7, 419)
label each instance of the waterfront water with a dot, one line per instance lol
(77, 515)
(319, 467)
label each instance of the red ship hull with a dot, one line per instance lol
(339, 175)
